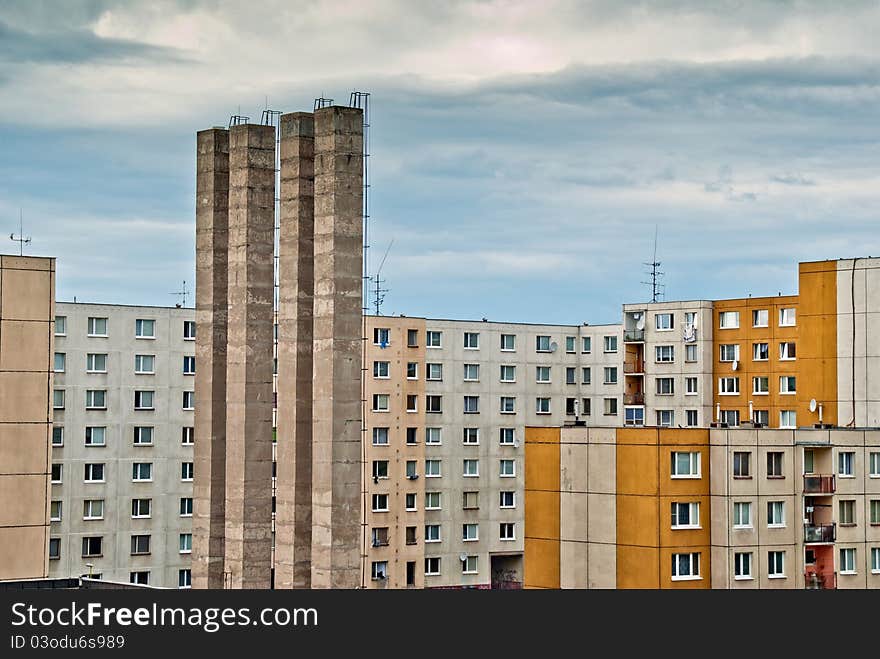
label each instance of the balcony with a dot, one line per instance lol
(816, 484)
(637, 398)
(820, 532)
(631, 368)
(634, 336)
(820, 581)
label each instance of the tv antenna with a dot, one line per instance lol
(657, 289)
(378, 291)
(182, 293)
(21, 239)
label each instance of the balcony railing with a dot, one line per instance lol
(633, 336)
(638, 398)
(634, 367)
(819, 581)
(820, 532)
(815, 484)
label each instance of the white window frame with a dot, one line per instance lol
(429, 504)
(694, 464)
(137, 472)
(507, 369)
(471, 404)
(433, 468)
(433, 533)
(466, 528)
(470, 436)
(471, 344)
(381, 370)
(846, 464)
(785, 382)
(847, 565)
(139, 325)
(502, 495)
(433, 438)
(610, 343)
(758, 380)
(787, 317)
(784, 351)
(89, 436)
(466, 464)
(91, 362)
(691, 385)
(758, 315)
(742, 572)
(504, 340)
(377, 402)
(92, 324)
(693, 567)
(503, 527)
(89, 507)
(376, 502)
(741, 510)
(430, 335)
(660, 324)
(757, 351)
(505, 399)
(728, 320)
(724, 384)
(723, 352)
(693, 512)
(664, 354)
(542, 405)
(434, 372)
(62, 322)
(787, 418)
(507, 462)
(139, 364)
(776, 506)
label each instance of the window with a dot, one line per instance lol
(96, 399)
(787, 419)
(380, 436)
(690, 352)
(570, 375)
(761, 417)
(60, 325)
(571, 406)
(93, 509)
(60, 359)
(380, 536)
(96, 363)
(542, 405)
(143, 400)
(54, 548)
(665, 386)
(787, 384)
(875, 560)
(586, 375)
(380, 402)
(728, 386)
(93, 472)
(742, 565)
(760, 352)
(58, 436)
(412, 370)
(55, 511)
(685, 566)
(774, 464)
(140, 544)
(685, 515)
(508, 405)
(507, 531)
(142, 471)
(665, 418)
(586, 344)
(507, 437)
(760, 318)
(380, 469)
(433, 338)
(471, 404)
(411, 436)
(471, 372)
(507, 499)
(570, 342)
(848, 560)
(412, 403)
(381, 369)
(787, 350)
(432, 565)
(471, 468)
(845, 461)
(469, 565)
(786, 317)
(634, 416)
(410, 501)
(92, 546)
(470, 532)
(186, 506)
(56, 472)
(432, 468)
(142, 577)
(742, 515)
(432, 501)
(664, 354)
(471, 340)
(809, 461)
(432, 533)
(685, 464)
(508, 373)
(728, 319)
(184, 578)
(381, 336)
(143, 435)
(760, 385)
(97, 326)
(542, 374)
(186, 471)
(434, 372)
(145, 364)
(189, 330)
(663, 322)
(691, 418)
(58, 399)
(847, 510)
(775, 564)
(775, 514)
(729, 352)
(380, 503)
(412, 338)
(542, 343)
(141, 507)
(144, 329)
(610, 406)
(411, 472)
(433, 436)
(610, 375)
(508, 342)
(610, 344)
(742, 464)
(187, 435)
(875, 511)
(379, 570)
(508, 468)
(471, 436)
(470, 501)
(690, 317)
(874, 464)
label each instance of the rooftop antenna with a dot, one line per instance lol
(657, 289)
(182, 293)
(22, 240)
(378, 290)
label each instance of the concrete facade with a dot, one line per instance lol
(27, 299)
(109, 355)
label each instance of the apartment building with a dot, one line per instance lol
(699, 508)
(122, 443)
(27, 294)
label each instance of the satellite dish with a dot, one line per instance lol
(553, 346)
(640, 325)
(735, 365)
(812, 405)
(462, 557)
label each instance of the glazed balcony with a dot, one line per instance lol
(820, 581)
(818, 484)
(636, 398)
(634, 336)
(820, 533)
(634, 368)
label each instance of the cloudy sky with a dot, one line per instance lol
(522, 152)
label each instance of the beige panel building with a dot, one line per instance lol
(27, 300)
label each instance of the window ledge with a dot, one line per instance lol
(749, 578)
(845, 476)
(688, 578)
(776, 526)
(775, 478)
(847, 572)
(686, 528)
(740, 527)
(685, 476)
(776, 576)
(742, 478)
(847, 524)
